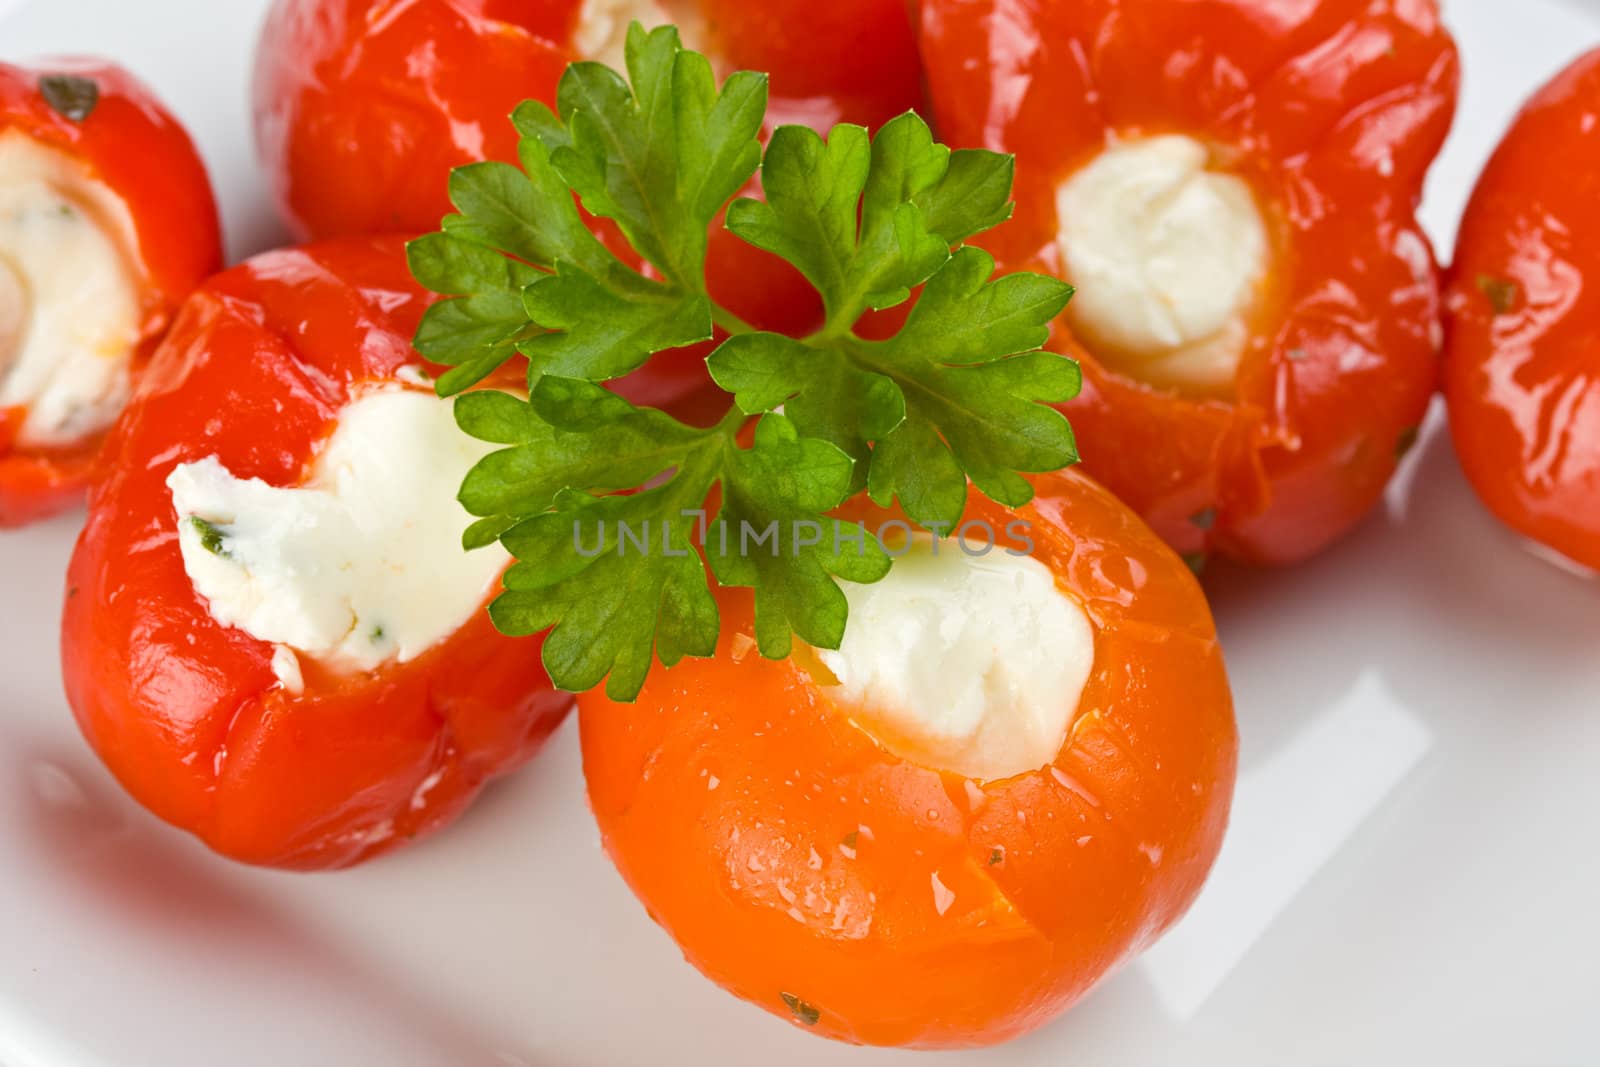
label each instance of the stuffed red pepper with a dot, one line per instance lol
(106, 223)
(272, 635)
(363, 108)
(1522, 369)
(1231, 186)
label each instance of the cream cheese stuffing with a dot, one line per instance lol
(70, 295)
(360, 564)
(969, 663)
(602, 30)
(1168, 258)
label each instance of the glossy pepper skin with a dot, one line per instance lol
(187, 712)
(808, 869)
(1332, 110)
(1522, 366)
(139, 152)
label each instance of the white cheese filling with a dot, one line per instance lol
(602, 32)
(1168, 257)
(360, 564)
(70, 287)
(972, 664)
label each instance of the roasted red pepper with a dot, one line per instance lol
(1522, 367)
(364, 106)
(107, 222)
(1312, 126)
(272, 754)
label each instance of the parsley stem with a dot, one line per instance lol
(730, 322)
(731, 423)
(839, 326)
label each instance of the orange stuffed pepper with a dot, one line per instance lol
(1231, 185)
(106, 223)
(1012, 777)
(1522, 369)
(272, 634)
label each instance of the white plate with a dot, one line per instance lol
(1411, 877)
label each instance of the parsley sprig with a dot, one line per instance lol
(605, 504)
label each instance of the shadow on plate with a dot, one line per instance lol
(200, 934)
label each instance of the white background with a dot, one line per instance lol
(1411, 877)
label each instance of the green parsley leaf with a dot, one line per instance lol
(773, 536)
(212, 539)
(615, 578)
(525, 273)
(606, 333)
(498, 203)
(603, 503)
(813, 193)
(614, 571)
(866, 221)
(974, 195)
(958, 394)
(486, 532)
(662, 158)
(969, 365)
(480, 329)
(604, 444)
(823, 391)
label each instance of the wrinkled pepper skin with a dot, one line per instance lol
(131, 144)
(1332, 111)
(187, 712)
(809, 870)
(1522, 363)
